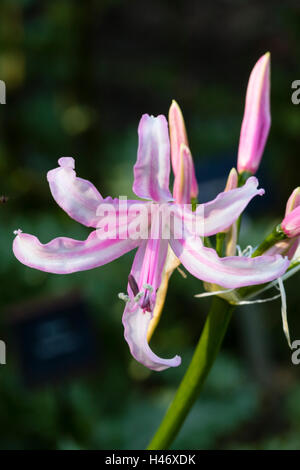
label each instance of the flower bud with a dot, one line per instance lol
(183, 177)
(293, 201)
(257, 119)
(232, 181)
(231, 232)
(178, 137)
(291, 223)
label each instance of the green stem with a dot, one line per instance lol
(241, 181)
(205, 354)
(207, 242)
(275, 236)
(220, 237)
(243, 178)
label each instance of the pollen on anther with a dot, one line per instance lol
(138, 296)
(123, 297)
(18, 232)
(148, 287)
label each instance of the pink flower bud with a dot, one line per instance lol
(293, 201)
(257, 119)
(231, 231)
(291, 223)
(178, 137)
(287, 247)
(183, 177)
(232, 181)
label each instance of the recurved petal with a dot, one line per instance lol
(147, 269)
(77, 197)
(230, 272)
(152, 168)
(65, 255)
(136, 324)
(217, 215)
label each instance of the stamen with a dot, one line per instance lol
(181, 272)
(133, 285)
(258, 301)
(285, 324)
(123, 296)
(239, 250)
(216, 292)
(248, 251)
(18, 232)
(148, 287)
(138, 296)
(146, 305)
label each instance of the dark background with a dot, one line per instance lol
(79, 76)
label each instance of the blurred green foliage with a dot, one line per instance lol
(79, 75)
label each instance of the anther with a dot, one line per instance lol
(124, 297)
(133, 285)
(148, 287)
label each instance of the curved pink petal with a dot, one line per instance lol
(65, 255)
(136, 323)
(147, 269)
(149, 262)
(81, 200)
(152, 168)
(230, 272)
(77, 197)
(217, 215)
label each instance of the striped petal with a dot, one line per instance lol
(136, 323)
(77, 197)
(217, 215)
(230, 272)
(146, 270)
(65, 255)
(152, 168)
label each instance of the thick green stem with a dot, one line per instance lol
(243, 178)
(205, 354)
(275, 236)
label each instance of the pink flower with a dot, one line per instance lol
(257, 119)
(81, 200)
